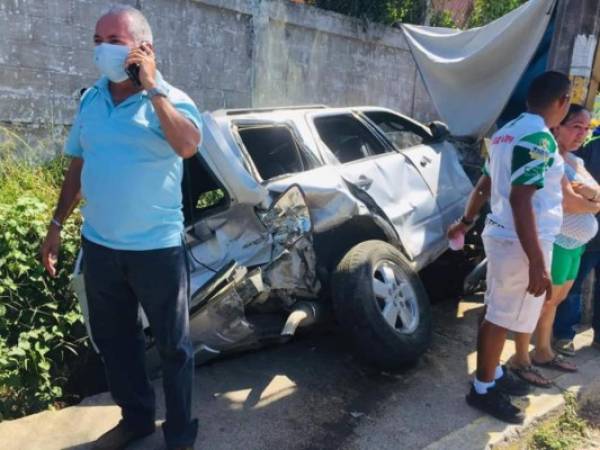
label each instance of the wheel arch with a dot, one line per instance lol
(331, 245)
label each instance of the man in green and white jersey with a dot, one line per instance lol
(523, 157)
(526, 214)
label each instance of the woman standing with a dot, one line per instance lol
(568, 314)
(581, 194)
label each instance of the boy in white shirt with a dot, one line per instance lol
(526, 202)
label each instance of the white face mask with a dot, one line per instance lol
(110, 61)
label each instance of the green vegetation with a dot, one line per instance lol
(41, 328)
(210, 199)
(574, 429)
(486, 11)
(414, 11)
(565, 433)
(442, 19)
(383, 11)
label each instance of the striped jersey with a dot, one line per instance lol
(524, 152)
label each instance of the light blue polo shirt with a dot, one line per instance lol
(131, 178)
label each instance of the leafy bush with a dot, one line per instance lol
(41, 328)
(486, 11)
(384, 11)
(414, 11)
(442, 18)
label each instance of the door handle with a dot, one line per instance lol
(425, 161)
(364, 182)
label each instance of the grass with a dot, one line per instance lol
(567, 431)
(21, 171)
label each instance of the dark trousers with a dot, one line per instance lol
(568, 314)
(117, 283)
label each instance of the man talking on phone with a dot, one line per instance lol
(129, 137)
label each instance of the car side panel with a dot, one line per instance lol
(440, 167)
(401, 192)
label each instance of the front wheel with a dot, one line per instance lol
(381, 304)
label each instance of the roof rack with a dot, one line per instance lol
(233, 112)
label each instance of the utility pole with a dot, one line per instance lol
(428, 12)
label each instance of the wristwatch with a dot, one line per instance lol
(157, 90)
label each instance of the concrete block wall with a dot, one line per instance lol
(306, 55)
(223, 53)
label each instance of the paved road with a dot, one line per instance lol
(309, 394)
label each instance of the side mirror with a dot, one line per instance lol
(439, 130)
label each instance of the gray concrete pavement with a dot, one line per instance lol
(442, 420)
(311, 394)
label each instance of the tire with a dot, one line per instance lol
(359, 301)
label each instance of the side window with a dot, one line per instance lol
(347, 137)
(273, 150)
(402, 133)
(201, 191)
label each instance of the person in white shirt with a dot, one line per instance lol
(526, 214)
(578, 226)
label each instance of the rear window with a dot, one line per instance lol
(273, 150)
(201, 191)
(347, 138)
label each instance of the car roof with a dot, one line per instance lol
(282, 114)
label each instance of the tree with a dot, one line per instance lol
(414, 11)
(383, 11)
(486, 11)
(442, 18)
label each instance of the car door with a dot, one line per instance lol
(437, 161)
(388, 177)
(220, 197)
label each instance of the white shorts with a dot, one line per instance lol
(509, 305)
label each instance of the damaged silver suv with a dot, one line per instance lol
(293, 212)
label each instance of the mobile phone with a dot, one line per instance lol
(133, 72)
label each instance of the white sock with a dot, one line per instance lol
(481, 387)
(499, 372)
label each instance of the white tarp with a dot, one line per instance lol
(471, 74)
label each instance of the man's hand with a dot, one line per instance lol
(50, 249)
(70, 196)
(479, 195)
(143, 56)
(539, 280)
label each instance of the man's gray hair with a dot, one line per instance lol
(139, 27)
